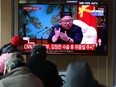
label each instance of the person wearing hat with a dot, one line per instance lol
(80, 75)
(66, 31)
(15, 45)
(42, 68)
(16, 74)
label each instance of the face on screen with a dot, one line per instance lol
(66, 22)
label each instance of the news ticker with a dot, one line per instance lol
(29, 46)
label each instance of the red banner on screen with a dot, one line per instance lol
(64, 46)
(85, 15)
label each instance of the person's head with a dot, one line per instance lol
(79, 75)
(13, 61)
(66, 20)
(18, 41)
(39, 51)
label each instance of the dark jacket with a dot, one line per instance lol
(75, 33)
(46, 71)
(80, 75)
(8, 48)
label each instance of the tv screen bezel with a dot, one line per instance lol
(81, 52)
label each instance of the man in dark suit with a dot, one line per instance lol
(66, 31)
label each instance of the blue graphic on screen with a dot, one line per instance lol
(44, 18)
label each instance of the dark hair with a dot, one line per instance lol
(8, 48)
(39, 51)
(65, 14)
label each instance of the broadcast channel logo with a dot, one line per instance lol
(97, 13)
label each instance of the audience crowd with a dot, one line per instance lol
(38, 71)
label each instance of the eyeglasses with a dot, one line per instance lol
(65, 21)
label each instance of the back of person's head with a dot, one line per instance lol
(39, 51)
(13, 61)
(17, 40)
(80, 75)
(65, 14)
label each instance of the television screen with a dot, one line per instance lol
(39, 20)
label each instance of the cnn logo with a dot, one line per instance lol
(29, 46)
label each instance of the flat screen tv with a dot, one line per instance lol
(35, 20)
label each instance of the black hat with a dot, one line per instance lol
(65, 14)
(39, 51)
(79, 75)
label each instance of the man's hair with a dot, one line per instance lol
(39, 51)
(65, 14)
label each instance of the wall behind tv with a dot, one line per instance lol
(101, 65)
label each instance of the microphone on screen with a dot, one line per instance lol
(35, 39)
(43, 34)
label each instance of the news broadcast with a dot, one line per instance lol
(75, 28)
